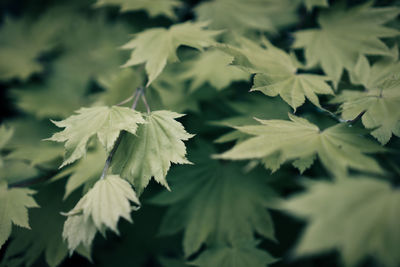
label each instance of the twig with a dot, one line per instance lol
(145, 103)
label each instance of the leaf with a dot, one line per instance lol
(158, 143)
(88, 54)
(105, 122)
(24, 40)
(276, 73)
(310, 4)
(380, 100)
(205, 201)
(84, 172)
(45, 236)
(245, 254)
(152, 7)
(13, 209)
(344, 35)
(100, 208)
(156, 46)
(381, 107)
(245, 15)
(370, 228)
(338, 147)
(212, 67)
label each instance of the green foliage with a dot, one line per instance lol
(104, 122)
(153, 7)
(232, 200)
(244, 255)
(358, 223)
(98, 210)
(344, 35)
(149, 153)
(13, 209)
(201, 202)
(277, 141)
(157, 46)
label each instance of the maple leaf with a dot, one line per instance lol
(213, 67)
(13, 209)
(379, 102)
(28, 245)
(239, 15)
(344, 35)
(276, 73)
(105, 122)
(338, 147)
(150, 152)
(23, 41)
(89, 52)
(100, 208)
(370, 228)
(153, 7)
(156, 46)
(205, 199)
(245, 254)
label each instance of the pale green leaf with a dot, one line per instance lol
(155, 47)
(212, 67)
(276, 73)
(380, 102)
(245, 254)
(13, 209)
(344, 35)
(158, 143)
(242, 15)
(104, 122)
(356, 216)
(153, 7)
(99, 209)
(339, 147)
(205, 201)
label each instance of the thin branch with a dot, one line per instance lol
(137, 96)
(145, 103)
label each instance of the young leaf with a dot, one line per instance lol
(158, 143)
(344, 35)
(156, 46)
(276, 73)
(380, 103)
(213, 67)
(242, 15)
(357, 216)
(153, 7)
(338, 147)
(245, 254)
(13, 209)
(205, 200)
(99, 209)
(105, 122)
